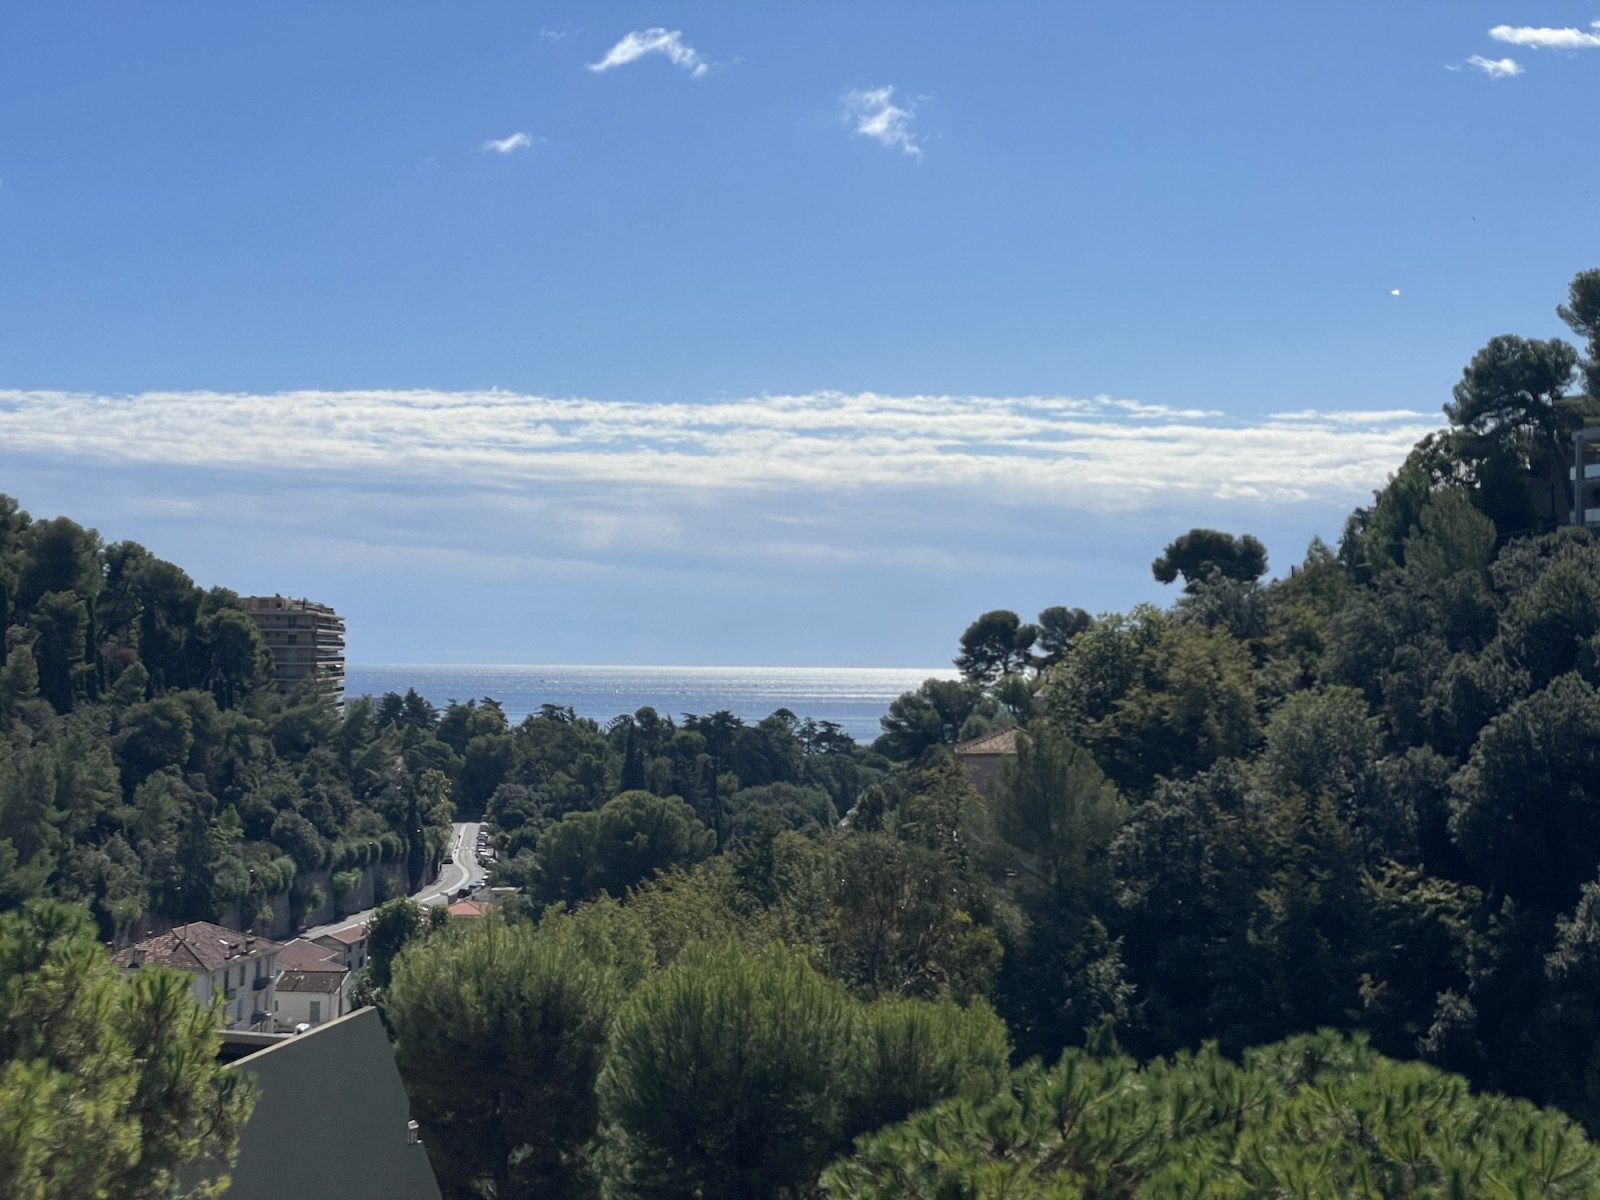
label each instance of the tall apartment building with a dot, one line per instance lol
(306, 640)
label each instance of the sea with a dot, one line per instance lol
(852, 697)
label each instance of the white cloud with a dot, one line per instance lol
(1495, 68)
(517, 141)
(653, 41)
(875, 115)
(1098, 453)
(1543, 38)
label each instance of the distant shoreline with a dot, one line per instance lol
(851, 697)
(947, 672)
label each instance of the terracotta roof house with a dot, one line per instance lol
(301, 955)
(469, 908)
(241, 967)
(982, 757)
(349, 946)
(314, 987)
(312, 997)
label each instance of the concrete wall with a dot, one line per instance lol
(330, 1120)
(282, 929)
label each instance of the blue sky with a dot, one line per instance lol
(794, 334)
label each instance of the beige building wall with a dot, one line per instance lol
(306, 640)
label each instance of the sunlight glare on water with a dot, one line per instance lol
(853, 697)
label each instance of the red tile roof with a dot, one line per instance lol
(301, 955)
(311, 981)
(198, 946)
(1004, 742)
(468, 908)
(356, 933)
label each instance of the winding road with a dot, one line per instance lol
(462, 871)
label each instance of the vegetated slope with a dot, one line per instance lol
(147, 763)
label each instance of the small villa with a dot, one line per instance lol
(240, 967)
(982, 757)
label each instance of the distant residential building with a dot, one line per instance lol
(331, 1121)
(301, 955)
(348, 946)
(312, 997)
(983, 757)
(240, 967)
(314, 987)
(469, 908)
(306, 640)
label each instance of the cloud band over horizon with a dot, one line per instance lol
(1097, 453)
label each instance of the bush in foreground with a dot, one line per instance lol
(108, 1085)
(1313, 1116)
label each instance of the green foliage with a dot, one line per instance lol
(1201, 553)
(500, 1031)
(1512, 400)
(1057, 627)
(147, 763)
(1357, 797)
(1056, 815)
(304, 902)
(19, 682)
(995, 645)
(107, 1085)
(1150, 696)
(1527, 803)
(1057, 809)
(1315, 1116)
(1322, 741)
(1582, 315)
(393, 925)
(900, 925)
(1450, 538)
(933, 715)
(733, 1073)
(1552, 627)
(631, 837)
(61, 622)
(1374, 538)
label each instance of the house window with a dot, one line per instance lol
(316, 1011)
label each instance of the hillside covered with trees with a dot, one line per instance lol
(1289, 888)
(149, 770)
(1360, 798)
